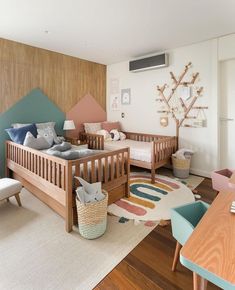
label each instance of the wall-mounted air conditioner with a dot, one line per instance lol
(147, 63)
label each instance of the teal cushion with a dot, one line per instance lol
(17, 135)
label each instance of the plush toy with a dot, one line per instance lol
(115, 135)
(122, 136)
(89, 192)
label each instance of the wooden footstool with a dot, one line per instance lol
(10, 187)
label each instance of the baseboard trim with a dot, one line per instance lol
(200, 172)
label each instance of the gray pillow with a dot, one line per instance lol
(71, 155)
(38, 125)
(44, 129)
(64, 146)
(48, 131)
(38, 143)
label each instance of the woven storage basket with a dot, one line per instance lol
(92, 217)
(181, 167)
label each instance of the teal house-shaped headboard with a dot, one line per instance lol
(35, 107)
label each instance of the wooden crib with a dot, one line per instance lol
(51, 178)
(162, 147)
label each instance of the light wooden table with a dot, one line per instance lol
(210, 250)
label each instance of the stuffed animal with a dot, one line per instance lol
(89, 192)
(116, 135)
(122, 136)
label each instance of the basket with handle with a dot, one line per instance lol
(92, 217)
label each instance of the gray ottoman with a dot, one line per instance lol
(10, 187)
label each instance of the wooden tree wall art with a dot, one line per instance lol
(181, 99)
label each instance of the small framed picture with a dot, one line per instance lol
(115, 102)
(126, 96)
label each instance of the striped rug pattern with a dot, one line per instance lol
(151, 202)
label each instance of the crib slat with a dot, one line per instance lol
(93, 171)
(112, 168)
(99, 170)
(117, 166)
(85, 171)
(122, 164)
(106, 170)
(62, 177)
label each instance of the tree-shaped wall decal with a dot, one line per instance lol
(181, 111)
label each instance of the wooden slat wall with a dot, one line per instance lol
(64, 79)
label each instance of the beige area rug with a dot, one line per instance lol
(151, 202)
(191, 182)
(36, 253)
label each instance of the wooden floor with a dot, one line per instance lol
(148, 266)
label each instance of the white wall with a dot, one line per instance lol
(142, 116)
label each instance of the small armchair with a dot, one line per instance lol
(183, 220)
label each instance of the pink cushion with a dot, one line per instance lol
(110, 126)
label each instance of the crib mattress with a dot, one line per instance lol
(139, 150)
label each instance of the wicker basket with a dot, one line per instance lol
(92, 217)
(181, 167)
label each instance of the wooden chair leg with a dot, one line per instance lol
(199, 283)
(176, 256)
(17, 196)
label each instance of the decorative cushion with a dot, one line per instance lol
(48, 127)
(45, 125)
(38, 143)
(92, 127)
(18, 134)
(72, 155)
(20, 125)
(105, 133)
(111, 126)
(9, 187)
(38, 125)
(48, 131)
(61, 147)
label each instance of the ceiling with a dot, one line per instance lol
(110, 31)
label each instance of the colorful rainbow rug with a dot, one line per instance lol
(151, 202)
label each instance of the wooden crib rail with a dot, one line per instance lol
(163, 149)
(49, 168)
(94, 141)
(111, 168)
(143, 137)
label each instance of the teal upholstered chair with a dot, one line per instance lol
(183, 221)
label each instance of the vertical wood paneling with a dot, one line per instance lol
(64, 79)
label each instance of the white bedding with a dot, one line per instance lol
(138, 150)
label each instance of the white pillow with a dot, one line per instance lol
(19, 125)
(104, 133)
(92, 128)
(38, 125)
(38, 143)
(45, 125)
